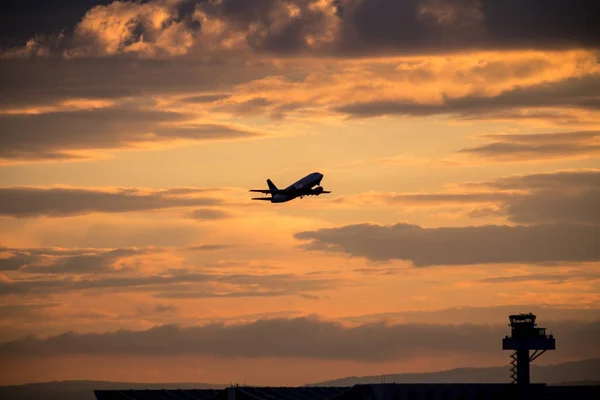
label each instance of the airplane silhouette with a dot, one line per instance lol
(301, 188)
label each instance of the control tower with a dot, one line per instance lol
(525, 336)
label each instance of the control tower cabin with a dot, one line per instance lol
(525, 336)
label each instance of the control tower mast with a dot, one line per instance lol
(525, 336)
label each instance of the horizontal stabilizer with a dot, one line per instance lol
(261, 198)
(262, 190)
(268, 191)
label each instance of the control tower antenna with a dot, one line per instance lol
(525, 336)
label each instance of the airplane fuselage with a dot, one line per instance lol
(302, 187)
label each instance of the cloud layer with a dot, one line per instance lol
(62, 202)
(560, 210)
(523, 148)
(340, 27)
(69, 134)
(460, 246)
(304, 337)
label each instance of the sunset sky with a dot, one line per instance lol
(460, 140)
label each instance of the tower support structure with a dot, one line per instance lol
(525, 336)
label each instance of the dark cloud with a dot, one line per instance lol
(449, 25)
(538, 146)
(342, 27)
(550, 278)
(580, 206)
(21, 20)
(47, 81)
(52, 135)
(558, 197)
(566, 196)
(303, 337)
(572, 179)
(83, 261)
(206, 98)
(61, 202)
(276, 26)
(15, 260)
(462, 245)
(483, 315)
(157, 309)
(542, 23)
(411, 26)
(24, 310)
(174, 284)
(565, 204)
(209, 214)
(209, 247)
(569, 93)
(91, 263)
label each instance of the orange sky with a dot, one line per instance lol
(463, 159)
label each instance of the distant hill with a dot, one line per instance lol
(573, 373)
(578, 371)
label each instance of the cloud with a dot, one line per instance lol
(158, 308)
(247, 285)
(461, 245)
(450, 25)
(575, 92)
(556, 197)
(522, 148)
(170, 283)
(570, 179)
(148, 29)
(431, 199)
(21, 21)
(560, 209)
(89, 260)
(565, 196)
(92, 262)
(162, 28)
(466, 86)
(206, 98)
(61, 202)
(72, 134)
(304, 337)
(10, 261)
(484, 315)
(51, 81)
(550, 278)
(208, 247)
(24, 311)
(209, 214)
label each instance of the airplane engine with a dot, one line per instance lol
(318, 190)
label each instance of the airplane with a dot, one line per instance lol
(301, 188)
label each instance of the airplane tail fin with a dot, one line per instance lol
(271, 185)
